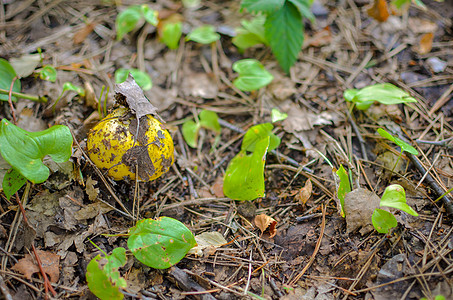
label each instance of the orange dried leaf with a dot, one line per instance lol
(379, 11)
(50, 263)
(82, 34)
(305, 193)
(264, 221)
(426, 43)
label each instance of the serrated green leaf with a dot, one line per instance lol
(402, 144)
(385, 93)
(210, 120)
(383, 221)
(344, 187)
(141, 78)
(304, 8)
(7, 75)
(395, 196)
(25, 150)
(190, 133)
(160, 243)
(205, 34)
(277, 115)
(150, 15)
(12, 182)
(103, 277)
(284, 31)
(171, 34)
(257, 133)
(48, 73)
(266, 6)
(244, 177)
(127, 20)
(252, 75)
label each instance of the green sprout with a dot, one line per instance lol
(190, 128)
(402, 144)
(252, 75)
(132, 17)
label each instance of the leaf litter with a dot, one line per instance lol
(352, 259)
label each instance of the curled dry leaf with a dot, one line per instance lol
(305, 193)
(379, 11)
(426, 43)
(264, 221)
(50, 263)
(207, 243)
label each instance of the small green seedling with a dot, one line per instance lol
(385, 93)
(7, 74)
(244, 177)
(141, 78)
(48, 73)
(406, 3)
(402, 144)
(190, 128)
(103, 277)
(25, 150)
(160, 243)
(277, 116)
(283, 28)
(344, 187)
(68, 86)
(250, 34)
(252, 75)
(437, 297)
(205, 34)
(394, 196)
(171, 34)
(133, 17)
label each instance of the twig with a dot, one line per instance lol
(187, 284)
(318, 245)
(10, 100)
(4, 289)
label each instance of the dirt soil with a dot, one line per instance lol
(315, 253)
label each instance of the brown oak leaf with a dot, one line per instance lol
(50, 263)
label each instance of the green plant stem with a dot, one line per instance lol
(397, 161)
(41, 99)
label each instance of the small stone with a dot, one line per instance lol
(437, 65)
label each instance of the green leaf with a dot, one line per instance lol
(385, 93)
(12, 182)
(304, 8)
(285, 32)
(252, 75)
(344, 187)
(171, 34)
(395, 196)
(25, 150)
(7, 75)
(48, 73)
(250, 34)
(141, 78)
(127, 20)
(26, 64)
(244, 177)
(402, 144)
(68, 86)
(210, 120)
(160, 243)
(103, 277)
(266, 6)
(256, 134)
(190, 133)
(383, 221)
(204, 35)
(151, 15)
(277, 115)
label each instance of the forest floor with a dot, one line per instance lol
(315, 253)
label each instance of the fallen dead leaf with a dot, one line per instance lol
(91, 191)
(82, 34)
(359, 206)
(207, 243)
(50, 263)
(426, 43)
(264, 221)
(379, 11)
(305, 193)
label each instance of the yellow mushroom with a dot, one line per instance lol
(117, 146)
